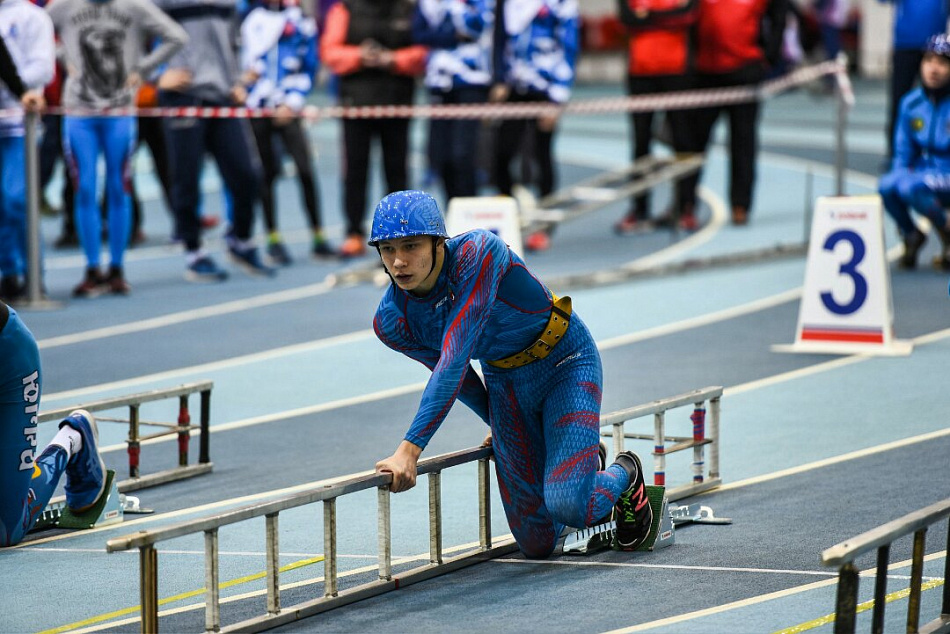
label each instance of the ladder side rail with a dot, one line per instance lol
(660, 405)
(128, 400)
(851, 549)
(317, 494)
(843, 555)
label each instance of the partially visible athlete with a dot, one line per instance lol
(27, 481)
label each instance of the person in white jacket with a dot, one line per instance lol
(28, 34)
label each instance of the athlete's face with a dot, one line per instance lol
(934, 71)
(409, 262)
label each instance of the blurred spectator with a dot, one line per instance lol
(206, 73)
(458, 34)
(51, 146)
(832, 16)
(920, 173)
(279, 60)
(368, 43)
(105, 65)
(915, 21)
(28, 35)
(535, 52)
(738, 40)
(150, 132)
(659, 60)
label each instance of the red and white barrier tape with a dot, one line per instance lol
(642, 103)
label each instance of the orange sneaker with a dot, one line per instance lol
(538, 241)
(353, 247)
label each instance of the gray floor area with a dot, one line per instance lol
(814, 449)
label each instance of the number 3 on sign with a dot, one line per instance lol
(849, 269)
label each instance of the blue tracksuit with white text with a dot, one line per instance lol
(27, 481)
(544, 416)
(920, 172)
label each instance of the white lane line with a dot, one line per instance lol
(762, 598)
(292, 413)
(207, 312)
(214, 366)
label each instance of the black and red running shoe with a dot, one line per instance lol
(632, 512)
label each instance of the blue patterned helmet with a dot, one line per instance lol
(939, 45)
(404, 214)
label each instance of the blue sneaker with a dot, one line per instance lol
(85, 471)
(205, 270)
(249, 260)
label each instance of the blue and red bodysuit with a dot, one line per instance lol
(544, 416)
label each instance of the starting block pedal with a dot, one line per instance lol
(666, 518)
(109, 509)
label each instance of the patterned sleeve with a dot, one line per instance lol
(474, 276)
(391, 329)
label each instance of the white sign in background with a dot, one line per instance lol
(846, 305)
(498, 214)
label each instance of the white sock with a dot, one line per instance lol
(69, 439)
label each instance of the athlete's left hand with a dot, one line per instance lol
(402, 466)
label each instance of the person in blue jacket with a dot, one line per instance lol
(920, 171)
(458, 71)
(453, 300)
(915, 21)
(28, 480)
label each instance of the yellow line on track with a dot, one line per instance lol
(763, 598)
(178, 597)
(862, 607)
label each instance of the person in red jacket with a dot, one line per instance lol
(660, 51)
(369, 45)
(737, 41)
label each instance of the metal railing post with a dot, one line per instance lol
(273, 564)
(435, 517)
(880, 589)
(847, 602)
(34, 268)
(148, 588)
(916, 580)
(204, 444)
(384, 534)
(212, 587)
(484, 505)
(659, 449)
(329, 548)
(841, 155)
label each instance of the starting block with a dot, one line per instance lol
(110, 509)
(666, 518)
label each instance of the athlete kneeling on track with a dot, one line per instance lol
(470, 297)
(920, 172)
(27, 484)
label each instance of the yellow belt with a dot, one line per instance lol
(553, 332)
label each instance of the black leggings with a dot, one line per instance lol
(294, 140)
(358, 134)
(510, 142)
